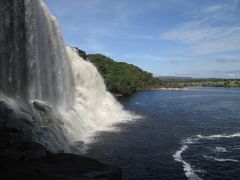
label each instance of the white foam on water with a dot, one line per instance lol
(220, 159)
(220, 149)
(218, 136)
(187, 167)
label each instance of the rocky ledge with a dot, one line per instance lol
(81, 53)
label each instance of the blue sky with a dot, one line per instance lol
(196, 38)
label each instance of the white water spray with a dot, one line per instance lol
(95, 109)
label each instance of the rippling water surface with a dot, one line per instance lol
(192, 134)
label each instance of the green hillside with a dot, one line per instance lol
(123, 78)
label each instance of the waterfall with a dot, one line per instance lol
(35, 65)
(48, 61)
(34, 62)
(95, 108)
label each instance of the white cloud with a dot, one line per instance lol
(233, 74)
(213, 8)
(204, 38)
(230, 6)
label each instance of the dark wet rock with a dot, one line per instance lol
(41, 106)
(81, 53)
(78, 146)
(4, 109)
(14, 145)
(59, 166)
(41, 124)
(24, 159)
(4, 113)
(10, 120)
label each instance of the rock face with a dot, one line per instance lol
(41, 106)
(34, 120)
(81, 53)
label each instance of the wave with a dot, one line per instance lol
(219, 149)
(187, 167)
(220, 159)
(189, 171)
(217, 136)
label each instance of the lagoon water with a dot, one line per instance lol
(192, 134)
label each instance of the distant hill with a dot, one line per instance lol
(174, 77)
(188, 78)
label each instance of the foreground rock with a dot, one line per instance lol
(22, 158)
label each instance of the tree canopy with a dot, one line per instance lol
(121, 77)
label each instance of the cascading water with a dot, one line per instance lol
(95, 108)
(34, 62)
(36, 65)
(48, 61)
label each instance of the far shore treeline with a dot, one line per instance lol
(124, 79)
(201, 82)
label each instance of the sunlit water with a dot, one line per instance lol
(191, 134)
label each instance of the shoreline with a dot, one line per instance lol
(166, 89)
